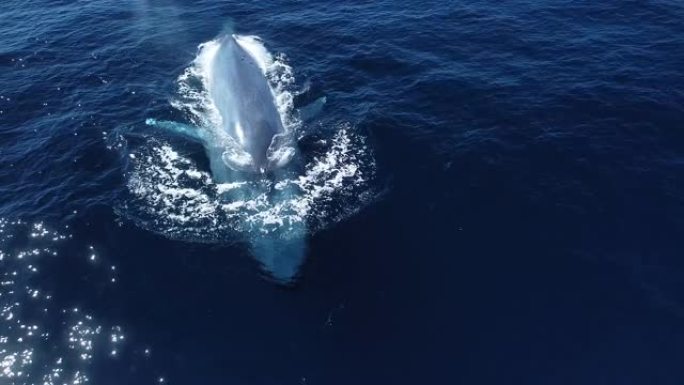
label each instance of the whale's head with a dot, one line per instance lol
(241, 93)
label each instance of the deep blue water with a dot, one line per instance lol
(522, 223)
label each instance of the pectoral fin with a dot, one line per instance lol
(312, 109)
(184, 130)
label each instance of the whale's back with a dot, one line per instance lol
(243, 97)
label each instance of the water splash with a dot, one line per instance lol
(172, 196)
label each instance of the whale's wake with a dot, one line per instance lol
(171, 194)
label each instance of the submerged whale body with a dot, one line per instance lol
(249, 117)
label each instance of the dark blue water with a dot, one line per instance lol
(522, 219)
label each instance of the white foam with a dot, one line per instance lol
(164, 186)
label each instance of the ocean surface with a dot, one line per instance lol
(492, 193)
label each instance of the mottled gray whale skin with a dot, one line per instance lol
(243, 97)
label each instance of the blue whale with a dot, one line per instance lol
(248, 142)
(243, 97)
